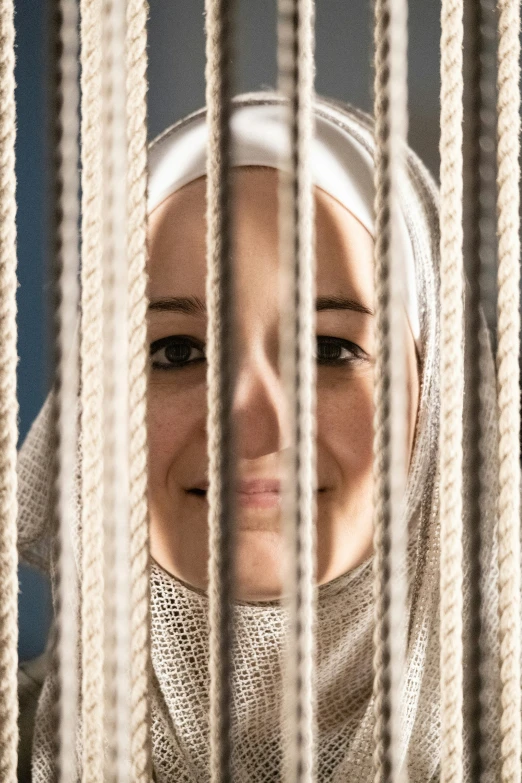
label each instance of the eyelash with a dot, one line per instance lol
(357, 353)
(183, 340)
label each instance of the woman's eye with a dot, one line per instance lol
(175, 352)
(181, 351)
(334, 350)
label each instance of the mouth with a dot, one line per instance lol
(252, 493)
(259, 493)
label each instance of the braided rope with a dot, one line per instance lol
(480, 257)
(297, 337)
(138, 364)
(220, 379)
(8, 406)
(390, 541)
(452, 362)
(66, 237)
(92, 448)
(116, 394)
(508, 385)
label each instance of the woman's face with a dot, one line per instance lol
(177, 391)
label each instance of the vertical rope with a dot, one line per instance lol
(390, 540)
(452, 381)
(138, 364)
(508, 180)
(297, 338)
(8, 406)
(91, 345)
(479, 250)
(221, 374)
(116, 392)
(67, 261)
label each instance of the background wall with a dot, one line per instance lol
(176, 74)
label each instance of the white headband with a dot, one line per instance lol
(341, 166)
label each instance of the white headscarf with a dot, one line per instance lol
(180, 702)
(340, 165)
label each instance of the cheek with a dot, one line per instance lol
(345, 431)
(176, 426)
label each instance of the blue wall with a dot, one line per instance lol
(30, 169)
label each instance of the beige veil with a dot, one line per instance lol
(180, 683)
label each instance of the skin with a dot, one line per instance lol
(177, 394)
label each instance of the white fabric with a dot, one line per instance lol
(340, 165)
(180, 728)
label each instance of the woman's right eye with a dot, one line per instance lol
(171, 353)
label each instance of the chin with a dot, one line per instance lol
(258, 566)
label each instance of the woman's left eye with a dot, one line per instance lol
(335, 350)
(171, 353)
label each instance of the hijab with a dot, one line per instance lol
(344, 626)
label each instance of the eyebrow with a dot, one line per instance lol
(341, 303)
(189, 305)
(193, 305)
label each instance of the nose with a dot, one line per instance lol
(259, 409)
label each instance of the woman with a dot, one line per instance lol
(343, 176)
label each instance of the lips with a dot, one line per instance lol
(251, 493)
(249, 487)
(258, 486)
(259, 493)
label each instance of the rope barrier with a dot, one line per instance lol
(508, 351)
(297, 337)
(390, 395)
(116, 393)
(8, 406)
(220, 379)
(452, 362)
(91, 350)
(138, 364)
(479, 251)
(115, 632)
(67, 262)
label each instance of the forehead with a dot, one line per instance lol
(177, 240)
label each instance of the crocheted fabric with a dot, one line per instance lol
(180, 688)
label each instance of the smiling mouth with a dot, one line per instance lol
(260, 496)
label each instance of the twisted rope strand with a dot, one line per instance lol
(116, 391)
(8, 406)
(390, 540)
(220, 380)
(452, 362)
(66, 253)
(297, 335)
(91, 353)
(479, 251)
(138, 364)
(381, 457)
(508, 180)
